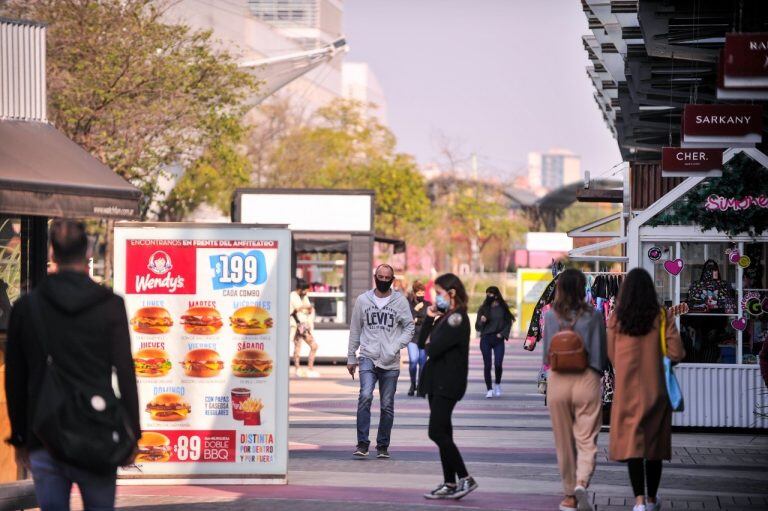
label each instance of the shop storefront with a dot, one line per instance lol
(720, 273)
(43, 175)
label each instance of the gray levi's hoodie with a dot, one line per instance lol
(380, 333)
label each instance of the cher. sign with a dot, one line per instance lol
(689, 161)
(722, 125)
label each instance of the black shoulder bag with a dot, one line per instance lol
(78, 423)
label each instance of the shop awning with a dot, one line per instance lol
(43, 173)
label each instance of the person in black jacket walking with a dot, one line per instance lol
(88, 337)
(445, 332)
(494, 321)
(417, 355)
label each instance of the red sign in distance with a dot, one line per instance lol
(746, 60)
(691, 161)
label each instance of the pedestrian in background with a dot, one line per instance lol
(302, 325)
(84, 338)
(574, 398)
(493, 324)
(641, 416)
(417, 355)
(380, 327)
(446, 332)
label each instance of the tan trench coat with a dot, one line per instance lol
(641, 417)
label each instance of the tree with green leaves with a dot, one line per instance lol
(343, 146)
(136, 92)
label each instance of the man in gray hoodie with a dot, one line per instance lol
(381, 326)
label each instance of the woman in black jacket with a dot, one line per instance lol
(445, 334)
(494, 321)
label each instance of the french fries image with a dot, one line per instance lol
(252, 405)
(251, 409)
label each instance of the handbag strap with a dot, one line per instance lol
(663, 332)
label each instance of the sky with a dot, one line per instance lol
(496, 77)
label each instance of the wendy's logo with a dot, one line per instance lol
(160, 263)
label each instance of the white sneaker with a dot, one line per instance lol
(313, 374)
(640, 507)
(496, 390)
(653, 506)
(582, 498)
(489, 394)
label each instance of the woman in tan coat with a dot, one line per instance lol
(641, 416)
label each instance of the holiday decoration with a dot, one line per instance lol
(742, 178)
(674, 267)
(733, 255)
(654, 253)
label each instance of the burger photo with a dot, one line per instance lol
(203, 363)
(168, 406)
(201, 321)
(151, 320)
(252, 363)
(250, 320)
(153, 446)
(151, 362)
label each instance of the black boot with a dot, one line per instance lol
(412, 390)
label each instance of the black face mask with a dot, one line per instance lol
(419, 299)
(383, 285)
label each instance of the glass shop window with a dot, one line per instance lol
(326, 274)
(709, 285)
(10, 266)
(754, 300)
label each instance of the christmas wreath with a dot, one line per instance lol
(736, 203)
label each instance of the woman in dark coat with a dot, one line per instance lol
(494, 321)
(417, 355)
(446, 331)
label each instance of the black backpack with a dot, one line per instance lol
(78, 423)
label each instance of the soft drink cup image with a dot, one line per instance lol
(239, 395)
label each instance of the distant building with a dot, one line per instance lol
(552, 169)
(310, 23)
(260, 31)
(360, 83)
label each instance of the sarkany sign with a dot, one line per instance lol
(722, 125)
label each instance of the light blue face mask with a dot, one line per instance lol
(442, 302)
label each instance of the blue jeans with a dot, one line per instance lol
(491, 344)
(53, 484)
(387, 379)
(416, 360)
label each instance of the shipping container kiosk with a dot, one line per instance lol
(333, 242)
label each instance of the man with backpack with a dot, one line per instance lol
(65, 340)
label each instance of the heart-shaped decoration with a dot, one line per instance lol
(739, 324)
(674, 267)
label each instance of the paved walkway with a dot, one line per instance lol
(506, 442)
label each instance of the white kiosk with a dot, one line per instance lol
(333, 239)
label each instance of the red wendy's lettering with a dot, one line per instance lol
(720, 203)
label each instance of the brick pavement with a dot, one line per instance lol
(506, 442)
